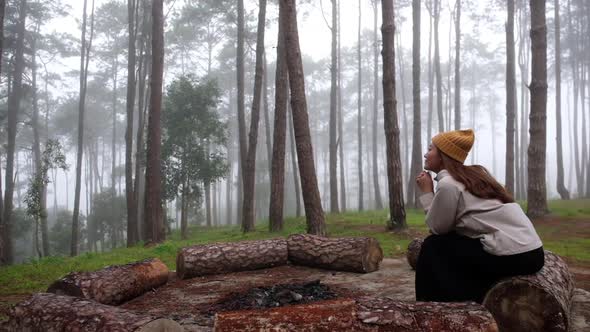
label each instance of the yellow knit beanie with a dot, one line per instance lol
(455, 144)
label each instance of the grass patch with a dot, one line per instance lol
(36, 275)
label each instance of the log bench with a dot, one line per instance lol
(538, 302)
(51, 312)
(363, 314)
(113, 285)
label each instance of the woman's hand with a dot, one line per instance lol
(424, 182)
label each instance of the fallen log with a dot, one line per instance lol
(228, 257)
(330, 315)
(538, 302)
(384, 314)
(355, 254)
(114, 284)
(367, 314)
(413, 252)
(51, 312)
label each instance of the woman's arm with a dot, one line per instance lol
(441, 208)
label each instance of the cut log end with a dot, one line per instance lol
(539, 302)
(115, 284)
(373, 256)
(413, 252)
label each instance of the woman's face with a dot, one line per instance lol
(432, 159)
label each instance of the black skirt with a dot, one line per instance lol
(455, 268)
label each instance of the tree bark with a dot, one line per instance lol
(13, 105)
(510, 98)
(537, 190)
(437, 71)
(378, 199)
(218, 258)
(417, 123)
(277, 181)
(364, 314)
(545, 298)
(357, 254)
(50, 312)
(397, 220)
(37, 149)
(359, 116)
(267, 126)
(341, 121)
(154, 223)
(249, 174)
(330, 315)
(84, 60)
(413, 252)
(563, 192)
(458, 65)
(313, 206)
(115, 284)
(5, 238)
(296, 182)
(242, 140)
(132, 236)
(384, 314)
(430, 75)
(333, 116)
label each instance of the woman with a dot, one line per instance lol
(479, 234)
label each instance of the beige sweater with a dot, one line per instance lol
(503, 229)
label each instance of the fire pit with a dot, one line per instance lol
(274, 296)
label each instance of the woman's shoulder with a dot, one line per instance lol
(448, 182)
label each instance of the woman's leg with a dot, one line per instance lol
(440, 276)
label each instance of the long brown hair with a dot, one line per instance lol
(477, 180)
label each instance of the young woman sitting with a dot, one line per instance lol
(479, 235)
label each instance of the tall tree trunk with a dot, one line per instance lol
(378, 199)
(510, 97)
(313, 205)
(132, 233)
(405, 156)
(296, 182)
(277, 181)
(37, 149)
(114, 138)
(397, 220)
(5, 238)
(142, 105)
(184, 210)
(267, 126)
(537, 191)
(417, 125)
(437, 72)
(14, 99)
(154, 226)
(359, 114)
(333, 116)
(84, 60)
(523, 62)
(249, 175)
(241, 110)
(458, 64)
(430, 75)
(563, 192)
(341, 121)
